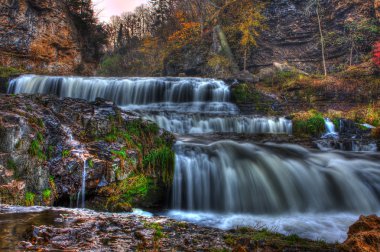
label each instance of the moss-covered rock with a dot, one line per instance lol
(47, 142)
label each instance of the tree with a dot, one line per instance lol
(316, 5)
(360, 35)
(250, 24)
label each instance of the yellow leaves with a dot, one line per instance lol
(247, 20)
(189, 32)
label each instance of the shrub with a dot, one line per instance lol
(112, 65)
(309, 123)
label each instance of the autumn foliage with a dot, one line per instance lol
(376, 54)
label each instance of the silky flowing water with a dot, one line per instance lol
(225, 183)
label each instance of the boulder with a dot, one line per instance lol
(364, 235)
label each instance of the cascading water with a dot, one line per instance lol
(201, 124)
(236, 183)
(79, 151)
(226, 176)
(330, 129)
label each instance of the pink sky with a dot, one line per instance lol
(115, 7)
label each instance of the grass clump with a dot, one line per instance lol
(29, 198)
(46, 196)
(161, 159)
(36, 147)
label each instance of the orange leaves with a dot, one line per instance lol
(190, 32)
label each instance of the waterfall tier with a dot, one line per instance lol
(126, 91)
(227, 176)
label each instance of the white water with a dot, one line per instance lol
(203, 124)
(231, 177)
(330, 129)
(79, 151)
(330, 227)
(313, 194)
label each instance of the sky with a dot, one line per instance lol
(110, 8)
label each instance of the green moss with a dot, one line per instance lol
(239, 238)
(36, 147)
(6, 72)
(134, 188)
(29, 199)
(158, 230)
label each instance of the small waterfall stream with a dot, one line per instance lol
(330, 129)
(223, 179)
(79, 151)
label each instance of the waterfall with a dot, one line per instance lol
(202, 124)
(126, 91)
(330, 129)
(179, 105)
(226, 176)
(79, 151)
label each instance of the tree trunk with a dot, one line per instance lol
(245, 58)
(351, 53)
(322, 41)
(226, 49)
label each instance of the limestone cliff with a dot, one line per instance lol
(292, 36)
(40, 36)
(294, 33)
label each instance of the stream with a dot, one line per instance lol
(224, 183)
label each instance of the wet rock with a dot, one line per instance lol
(47, 142)
(364, 235)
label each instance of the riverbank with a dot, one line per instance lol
(78, 230)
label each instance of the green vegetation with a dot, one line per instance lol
(158, 230)
(36, 147)
(46, 196)
(29, 199)
(308, 123)
(161, 159)
(66, 153)
(6, 72)
(135, 187)
(244, 237)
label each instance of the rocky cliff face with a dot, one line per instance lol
(40, 36)
(46, 143)
(294, 34)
